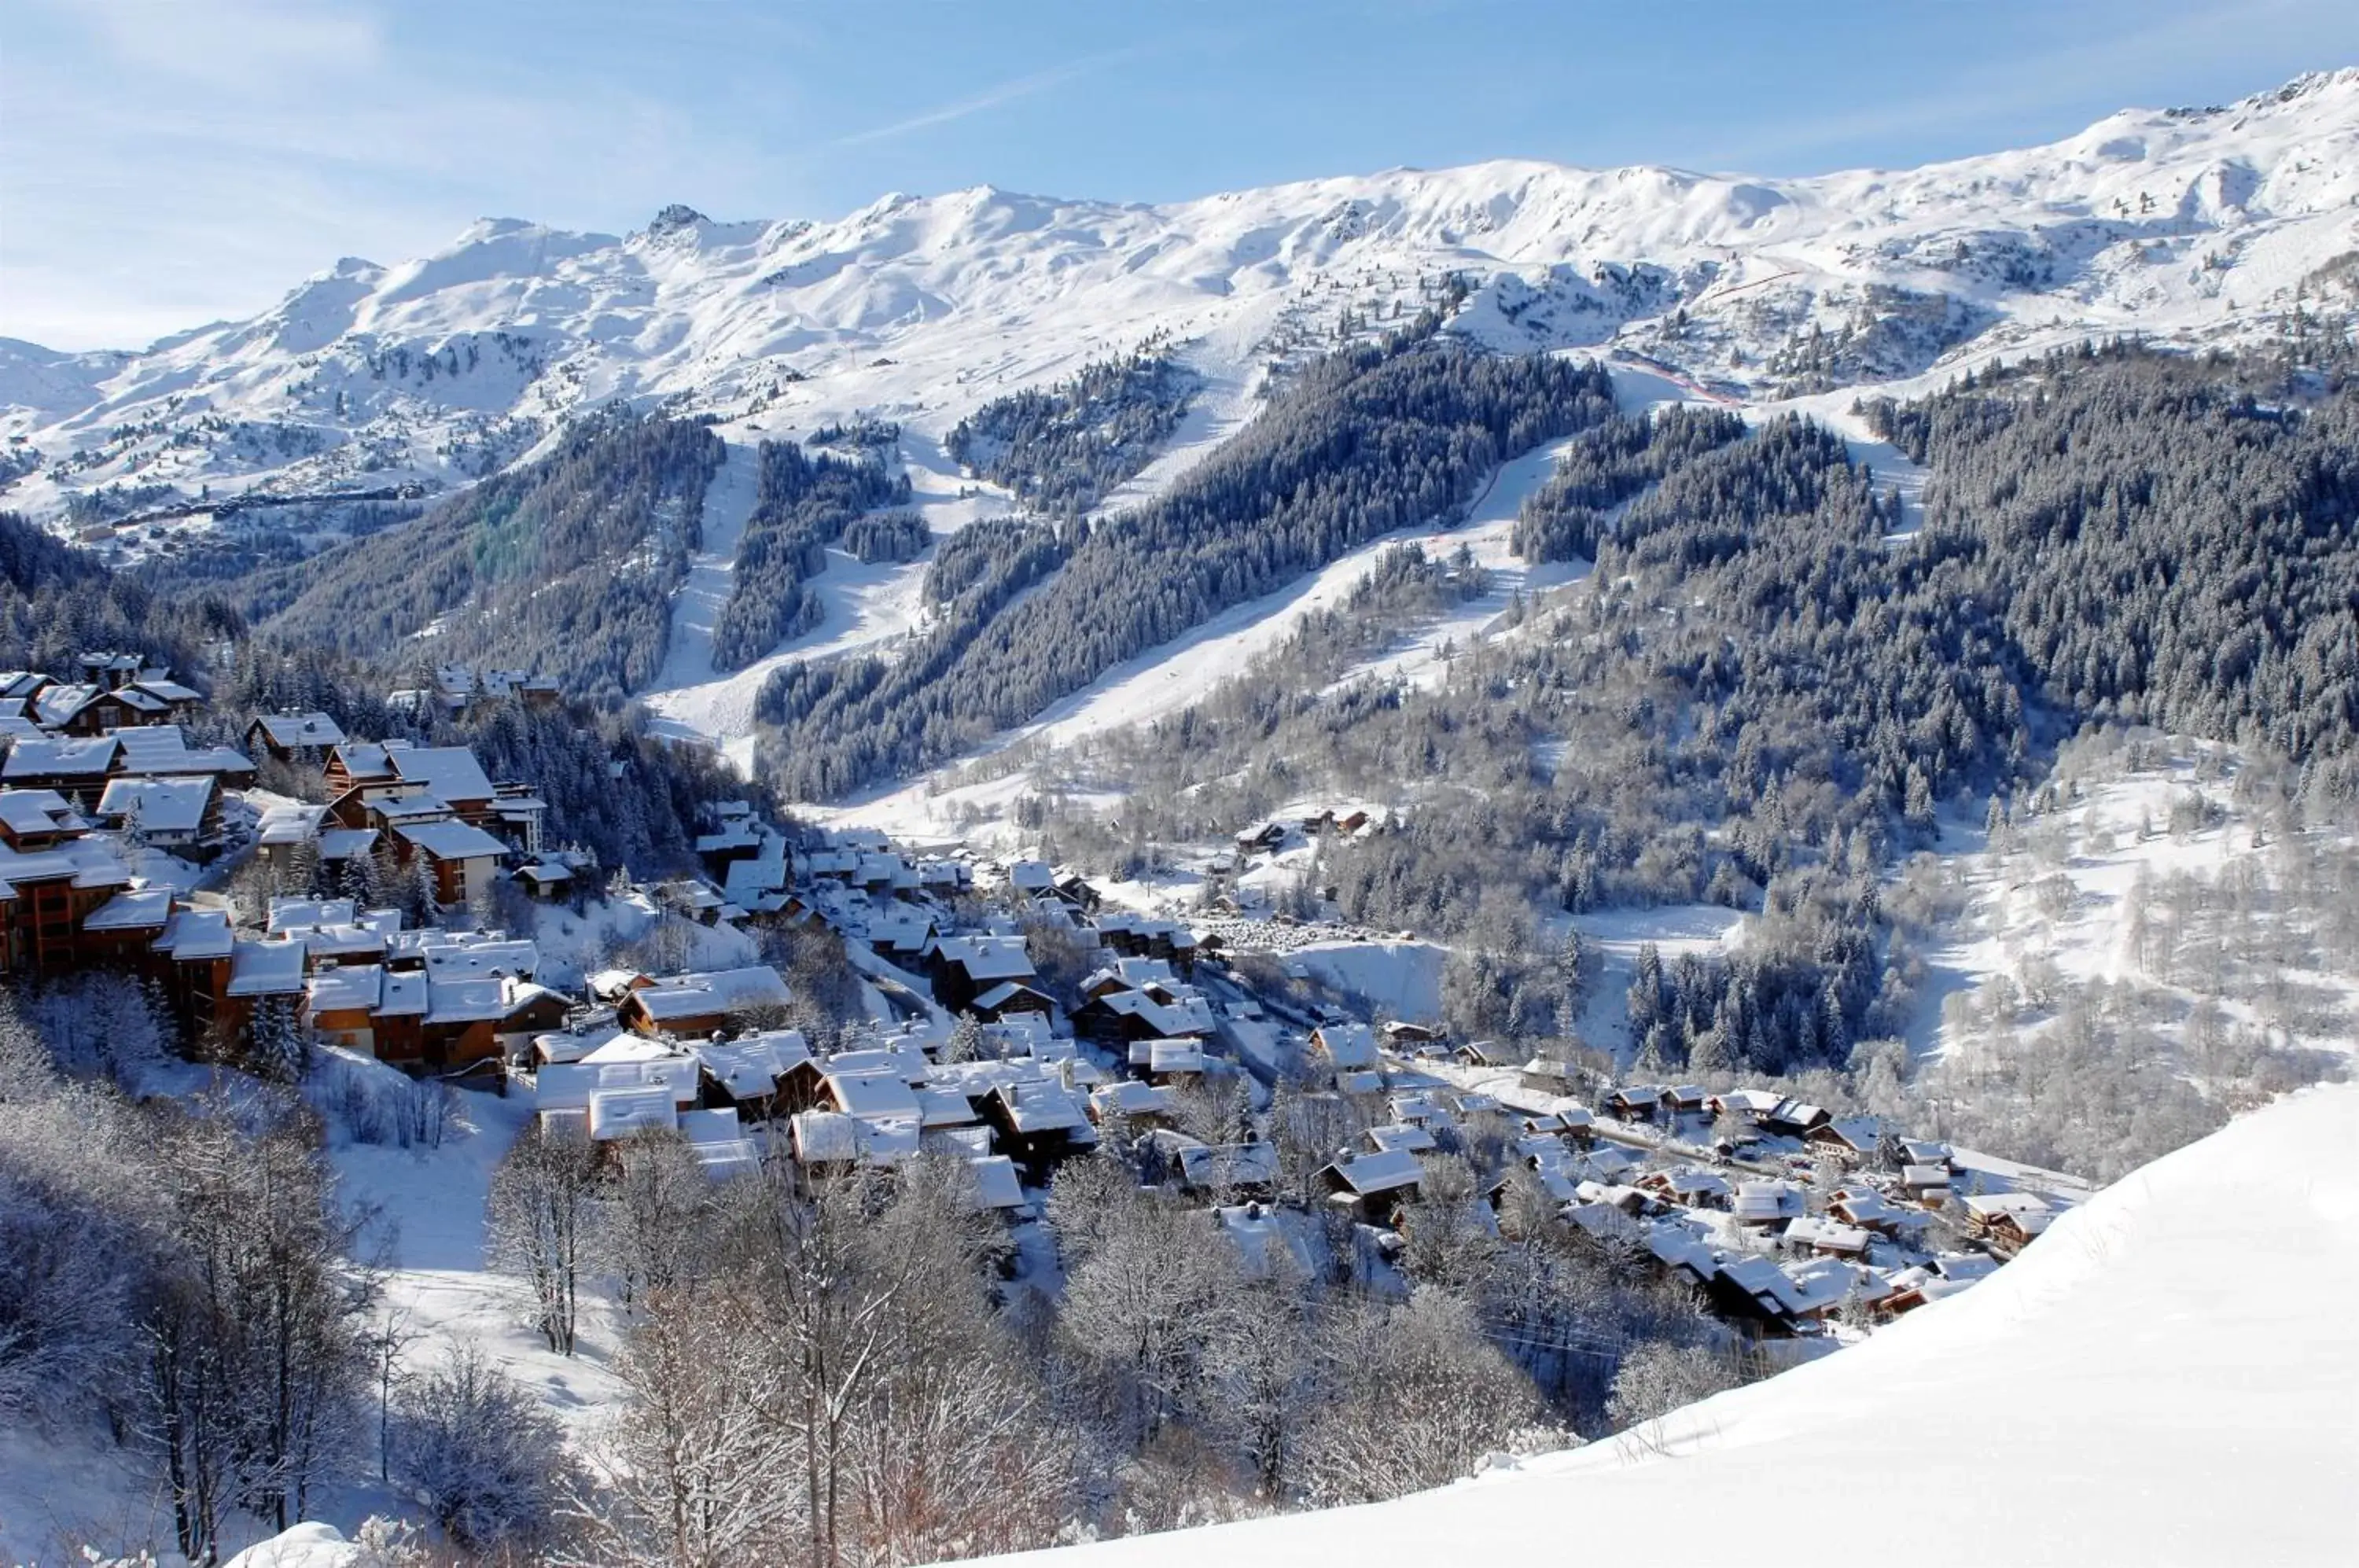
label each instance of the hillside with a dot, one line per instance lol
(2176, 1344)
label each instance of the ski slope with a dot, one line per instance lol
(2168, 1376)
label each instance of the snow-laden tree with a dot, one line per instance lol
(482, 1451)
(964, 1042)
(1420, 1397)
(1140, 1309)
(540, 1224)
(1660, 1377)
(80, 1225)
(653, 1210)
(258, 1361)
(278, 1048)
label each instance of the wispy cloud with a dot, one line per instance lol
(990, 98)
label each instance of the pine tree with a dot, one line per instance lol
(965, 1041)
(277, 1047)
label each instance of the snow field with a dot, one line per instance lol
(2164, 1377)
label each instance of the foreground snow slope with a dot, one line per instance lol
(2168, 1376)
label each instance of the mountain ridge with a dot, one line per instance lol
(2193, 226)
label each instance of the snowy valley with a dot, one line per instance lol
(1416, 867)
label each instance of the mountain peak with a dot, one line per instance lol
(678, 215)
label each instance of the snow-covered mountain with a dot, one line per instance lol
(2193, 226)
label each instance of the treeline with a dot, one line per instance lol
(1367, 441)
(565, 566)
(803, 504)
(1603, 467)
(895, 536)
(2163, 539)
(1059, 448)
(57, 603)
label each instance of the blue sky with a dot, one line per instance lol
(168, 162)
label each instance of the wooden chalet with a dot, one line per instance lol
(1853, 1141)
(695, 1006)
(1637, 1103)
(963, 967)
(54, 877)
(179, 814)
(305, 739)
(1009, 999)
(1039, 1124)
(1374, 1186)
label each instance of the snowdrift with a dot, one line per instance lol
(2169, 1376)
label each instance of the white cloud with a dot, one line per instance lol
(236, 43)
(1006, 93)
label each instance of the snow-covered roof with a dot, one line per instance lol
(1183, 1015)
(346, 844)
(618, 1113)
(560, 1085)
(1833, 1236)
(1821, 1284)
(751, 1066)
(463, 955)
(163, 749)
(944, 1108)
(353, 987)
(1167, 1055)
(1690, 1184)
(272, 967)
(1867, 1206)
(878, 1095)
(1860, 1133)
(157, 805)
(471, 1001)
(289, 822)
(453, 840)
(35, 813)
(624, 1046)
(1228, 1165)
(999, 996)
(192, 934)
(832, 1137)
(405, 995)
(290, 731)
(987, 957)
(1348, 1047)
(906, 1057)
(1042, 1106)
(1990, 1206)
(303, 914)
(1381, 1173)
(449, 772)
(135, 908)
(1132, 1097)
(720, 1126)
(1402, 1137)
(66, 756)
(995, 1186)
(676, 996)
